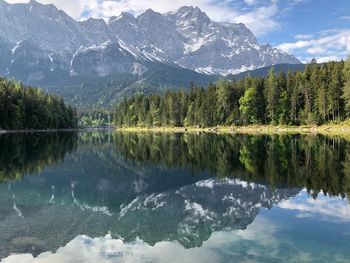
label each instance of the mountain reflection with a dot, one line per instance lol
(181, 188)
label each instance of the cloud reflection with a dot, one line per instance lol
(260, 242)
(324, 208)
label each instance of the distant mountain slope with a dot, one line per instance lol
(262, 72)
(106, 91)
(41, 45)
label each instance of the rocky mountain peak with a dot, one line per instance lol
(150, 16)
(33, 4)
(190, 12)
(123, 16)
(186, 38)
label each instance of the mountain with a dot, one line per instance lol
(41, 45)
(189, 38)
(262, 72)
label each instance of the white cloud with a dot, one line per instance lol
(326, 45)
(250, 2)
(325, 208)
(260, 235)
(259, 16)
(327, 58)
(259, 20)
(304, 36)
(263, 240)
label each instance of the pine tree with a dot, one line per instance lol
(319, 94)
(346, 87)
(271, 96)
(335, 90)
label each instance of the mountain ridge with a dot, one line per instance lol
(186, 37)
(41, 45)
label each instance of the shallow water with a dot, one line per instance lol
(127, 197)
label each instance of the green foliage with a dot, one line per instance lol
(24, 107)
(346, 94)
(320, 164)
(248, 106)
(318, 95)
(95, 118)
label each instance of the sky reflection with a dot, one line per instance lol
(265, 240)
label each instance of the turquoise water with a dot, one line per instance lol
(124, 197)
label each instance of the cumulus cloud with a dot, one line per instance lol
(325, 46)
(259, 16)
(331, 209)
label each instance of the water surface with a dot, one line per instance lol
(128, 197)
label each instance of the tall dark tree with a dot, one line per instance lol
(272, 96)
(23, 107)
(346, 88)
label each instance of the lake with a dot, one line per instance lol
(127, 197)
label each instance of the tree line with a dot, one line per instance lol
(23, 107)
(318, 95)
(96, 118)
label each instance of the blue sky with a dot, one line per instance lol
(305, 28)
(324, 23)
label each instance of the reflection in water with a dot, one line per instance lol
(335, 209)
(204, 197)
(265, 240)
(315, 162)
(28, 153)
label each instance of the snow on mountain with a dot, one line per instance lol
(192, 212)
(63, 46)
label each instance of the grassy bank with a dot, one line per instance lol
(330, 129)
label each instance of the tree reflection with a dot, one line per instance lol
(321, 164)
(23, 154)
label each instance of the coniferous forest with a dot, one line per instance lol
(23, 107)
(319, 95)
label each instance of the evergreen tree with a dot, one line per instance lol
(248, 106)
(271, 96)
(319, 94)
(24, 107)
(346, 88)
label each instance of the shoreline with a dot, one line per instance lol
(57, 130)
(331, 129)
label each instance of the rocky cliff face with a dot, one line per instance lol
(186, 37)
(190, 39)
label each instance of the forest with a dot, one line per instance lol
(318, 95)
(95, 118)
(23, 107)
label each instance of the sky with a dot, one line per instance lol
(305, 28)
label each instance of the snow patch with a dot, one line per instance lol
(210, 183)
(16, 47)
(196, 44)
